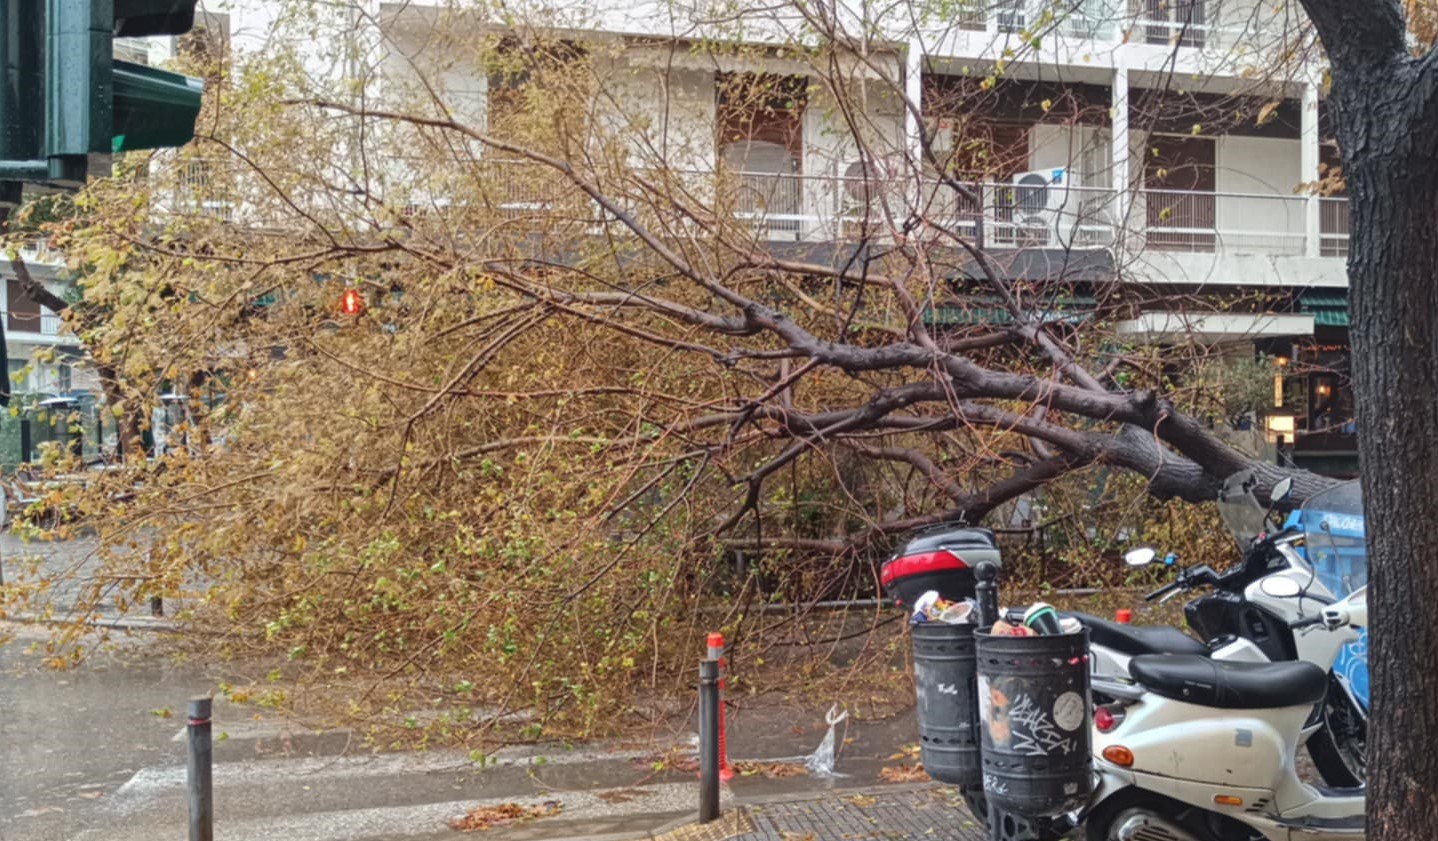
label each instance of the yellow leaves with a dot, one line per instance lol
(1267, 112)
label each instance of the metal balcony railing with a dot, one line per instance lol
(1333, 227)
(1233, 223)
(814, 208)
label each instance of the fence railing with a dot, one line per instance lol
(1231, 223)
(1333, 227)
(815, 207)
(804, 207)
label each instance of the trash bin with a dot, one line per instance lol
(1033, 701)
(948, 712)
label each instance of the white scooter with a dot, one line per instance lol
(1204, 750)
(1244, 622)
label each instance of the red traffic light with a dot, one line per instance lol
(352, 302)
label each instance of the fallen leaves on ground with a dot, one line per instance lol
(903, 774)
(796, 836)
(481, 818)
(772, 770)
(674, 759)
(863, 801)
(909, 751)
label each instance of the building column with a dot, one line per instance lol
(1308, 162)
(914, 107)
(1118, 139)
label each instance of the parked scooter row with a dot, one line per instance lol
(1248, 614)
(1198, 741)
(1200, 749)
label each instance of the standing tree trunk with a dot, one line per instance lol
(1393, 184)
(1387, 106)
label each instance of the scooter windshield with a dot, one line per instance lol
(1241, 512)
(1332, 524)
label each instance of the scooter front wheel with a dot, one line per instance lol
(1144, 816)
(1340, 747)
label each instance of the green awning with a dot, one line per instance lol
(1328, 310)
(987, 310)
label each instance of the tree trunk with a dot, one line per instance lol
(1391, 169)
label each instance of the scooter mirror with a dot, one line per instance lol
(1281, 489)
(1280, 587)
(1140, 557)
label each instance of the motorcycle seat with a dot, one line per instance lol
(1133, 639)
(1230, 685)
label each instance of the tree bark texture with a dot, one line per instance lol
(1388, 132)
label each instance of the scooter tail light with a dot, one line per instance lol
(1118, 755)
(1107, 718)
(941, 560)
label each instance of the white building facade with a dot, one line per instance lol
(1176, 143)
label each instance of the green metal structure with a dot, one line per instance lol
(64, 97)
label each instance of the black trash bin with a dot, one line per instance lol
(948, 711)
(1034, 709)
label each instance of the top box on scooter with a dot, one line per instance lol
(939, 558)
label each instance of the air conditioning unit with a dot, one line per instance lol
(1039, 209)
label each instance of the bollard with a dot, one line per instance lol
(157, 606)
(708, 740)
(715, 644)
(986, 593)
(202, 803)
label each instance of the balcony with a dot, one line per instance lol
(815, 208)
(1195, 230)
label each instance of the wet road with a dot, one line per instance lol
(70, 739)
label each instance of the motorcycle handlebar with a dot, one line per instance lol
(1306, 623)
(1165, 590)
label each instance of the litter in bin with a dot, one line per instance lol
(930, 608)
(1037, 620)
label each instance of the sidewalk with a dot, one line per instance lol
(930, 812)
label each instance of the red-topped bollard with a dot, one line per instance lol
(1123, 616)
(715, 643)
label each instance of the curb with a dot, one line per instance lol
(737, 815)
(164, 626)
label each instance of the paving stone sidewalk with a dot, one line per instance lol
(923, 814)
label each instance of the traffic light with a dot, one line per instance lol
(352, 302)
(63, 96)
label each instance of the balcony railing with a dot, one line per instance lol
(818, 208)
(1235, 223)
(813, 208)
(1333, 227)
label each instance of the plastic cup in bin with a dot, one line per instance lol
(1034, 713)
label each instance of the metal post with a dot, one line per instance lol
(708, 740)
(202, 801)
(715, 646)
(986, 592)
(157, 606)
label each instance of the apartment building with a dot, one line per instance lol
(1153, 143)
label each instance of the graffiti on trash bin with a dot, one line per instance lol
(1023, 723)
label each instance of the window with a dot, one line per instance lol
(19, 375)
(1183, 22)
(23, 314)
(1179, 178)
(761, 108)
